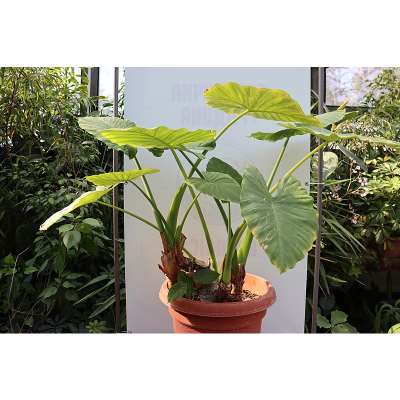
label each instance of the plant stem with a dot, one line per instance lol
(277, 163)
(299, 164)
(130, 213)
(226, 127)
(150, 194)
(155, 208)
(187, 212)
(200, 213)
(217, 202)
(226, 273)
(245, 245)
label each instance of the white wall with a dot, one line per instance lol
(173, 97)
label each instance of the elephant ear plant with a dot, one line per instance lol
(278, 213)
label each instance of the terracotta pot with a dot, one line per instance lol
(191, 316)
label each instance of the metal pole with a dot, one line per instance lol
(320, 181)
(115, 218)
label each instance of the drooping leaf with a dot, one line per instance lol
(353, 157)
(114, 178)
(72, 239)
(176, 291)
(217, 165)
(323, 322)
(270, 104)
(205, 276)
(160, 137)
(338, 317)
(284, 222)
(221, 186)
(278, 135)
(82, 200)
(331, 117)
(95, 125)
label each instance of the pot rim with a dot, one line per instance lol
(267, 297)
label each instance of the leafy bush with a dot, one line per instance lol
(46, 280)
(361, 208)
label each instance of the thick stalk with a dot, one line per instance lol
(155, 209)
(299, 164)
(277, 163)
(227, 272)
(150, 194)
(199, 212)
(217, 202)
(244, 248)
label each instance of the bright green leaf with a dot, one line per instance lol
(278, 135)
(160, 137)
(217, 165)
(338, 317)
(323, 322)
(284, 223)
(205, 276)
(82, 200)
(220, 186)
(394, 329)
(331, 161)
(271, 104)
(114, 178)
(72, 239)
(95, 125)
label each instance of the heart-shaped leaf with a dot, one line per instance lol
(95, 125)
(221, 186)
(160, 137)
(271, 104)
(176, 291)
(217, 165)
(114, 178)
(284, 223)
(82, 200)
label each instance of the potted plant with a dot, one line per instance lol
(219, 295)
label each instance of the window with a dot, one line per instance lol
(348, 84)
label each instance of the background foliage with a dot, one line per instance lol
(361, 213)
(61, 280)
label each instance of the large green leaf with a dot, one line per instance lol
(95, 125)
(82, 200)
(160, 137)
(218, 185)
(331, 117)
(217, 165)
(114, 178)
(293, 130)
(271, 104)
(284, 223)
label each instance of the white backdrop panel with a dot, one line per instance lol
(174, 97)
